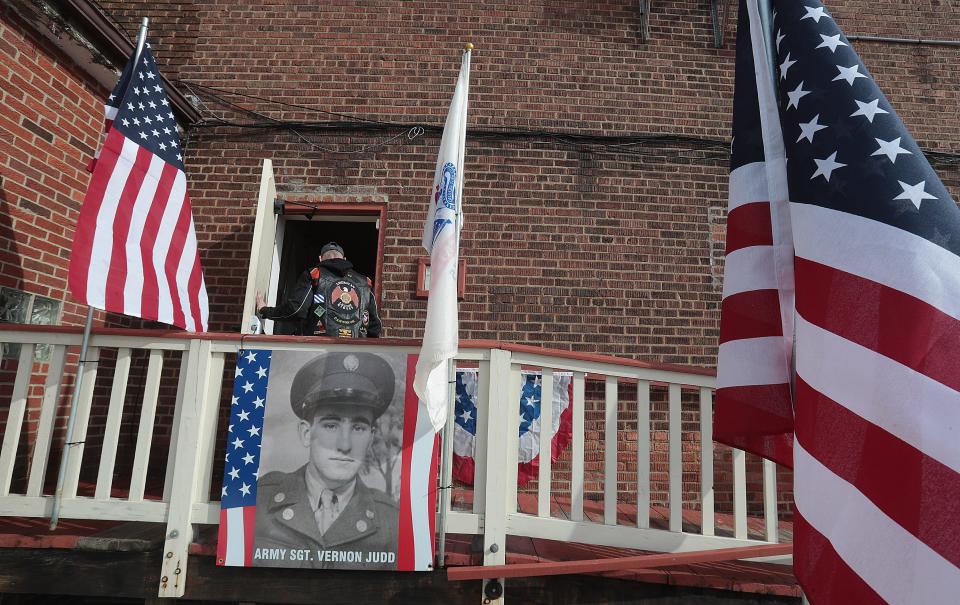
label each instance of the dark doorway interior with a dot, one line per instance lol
(302, 241)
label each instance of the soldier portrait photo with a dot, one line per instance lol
(329, 476)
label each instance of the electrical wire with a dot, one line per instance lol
(656, 146)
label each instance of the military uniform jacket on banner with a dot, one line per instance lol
(330, 300)
(365, 530)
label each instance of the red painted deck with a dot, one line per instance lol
(17, 532)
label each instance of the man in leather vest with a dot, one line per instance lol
(331, 299)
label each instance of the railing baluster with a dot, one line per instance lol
(18, 407)
(446, 451)
(111, 434)
(174, 435)
(706, 461)
(739, 494)
(211, 399)
(675, 459)
(513, 435)
(48, 413)
(770, 500)
(576, 458)
(482, 439)
(610, 452)
(546, 443)
(148, 410)
(82, 417)
(643, 453)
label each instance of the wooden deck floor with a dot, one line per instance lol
(759, 578)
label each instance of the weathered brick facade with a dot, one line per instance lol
(572, 239)
(51, 117)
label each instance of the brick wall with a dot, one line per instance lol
(51, 117)
(568, 243)
(172, 29)
(50, 121)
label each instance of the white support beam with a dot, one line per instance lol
(546, 443)
(706, 462)
(191, 428)
(47, 420)
(611, 399)
(770, 517)
(111, 432)
(576, 455)
(81, 419)
(675, 459)
(15, 414)
(643, 454)
(148, 411)
(739, 494)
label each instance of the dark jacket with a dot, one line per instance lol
(366, 529)
(330, 299)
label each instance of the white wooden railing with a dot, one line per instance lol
(190, 455)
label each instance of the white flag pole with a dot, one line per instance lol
(68, 442)
(446, 451)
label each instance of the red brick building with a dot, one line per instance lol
(596, 157)
(596, 152)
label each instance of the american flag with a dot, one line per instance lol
(135, 248)
(238, 496)
(529, 400)
(840, 334)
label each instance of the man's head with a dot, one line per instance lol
(338, 397)
(338, 438)
(331, 250)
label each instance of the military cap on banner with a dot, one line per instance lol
(361, 379)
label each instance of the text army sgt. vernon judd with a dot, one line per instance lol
(323, 512)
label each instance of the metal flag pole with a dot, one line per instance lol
(68, 443)
(769, 35)
(446, 453)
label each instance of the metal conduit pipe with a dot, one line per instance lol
(905, 40)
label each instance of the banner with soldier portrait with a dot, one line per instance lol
(329, 464)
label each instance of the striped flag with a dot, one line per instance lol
(441, 241)
(840, 332)
(251, 437)
(135, 248)
(241, 462)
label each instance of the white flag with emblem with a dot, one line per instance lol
(441, 240)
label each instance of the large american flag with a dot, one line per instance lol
(840, 335)
(135, 248)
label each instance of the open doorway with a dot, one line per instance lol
(287, 237)
(300, 238)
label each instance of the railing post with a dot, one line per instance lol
(197, 411)
(501, 416)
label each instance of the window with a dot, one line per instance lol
(21, 307)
